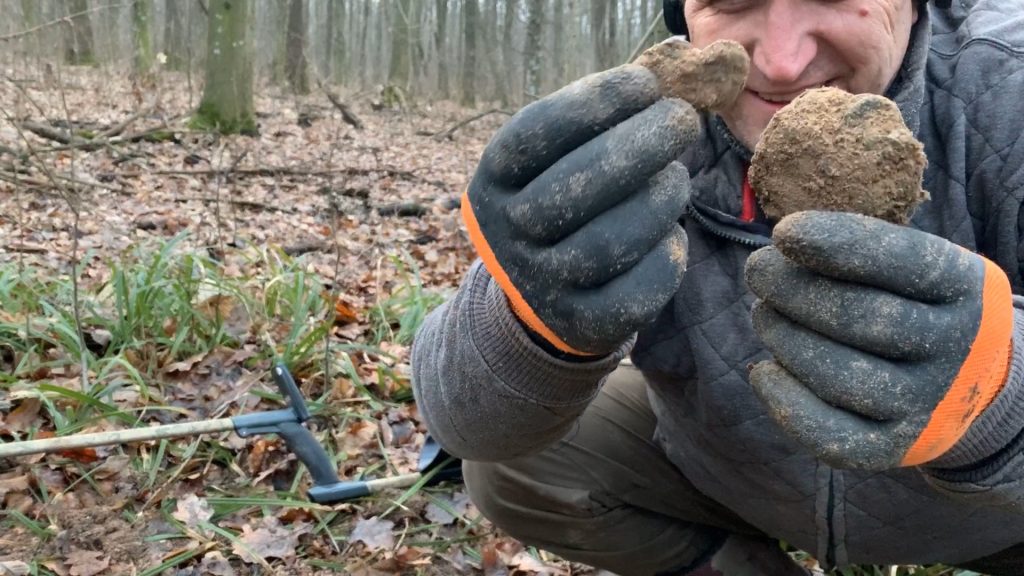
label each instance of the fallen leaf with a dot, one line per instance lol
(268, 541)
(13, 568)
(86, 562)
(112, 466)
(215, 564)
(185, 365)
(344, 313)
(193, 511)
(458, 503)
(21, 418)
(374, 532)
(12, 482)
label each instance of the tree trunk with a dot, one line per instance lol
(175, 41)
(613, 41)
(599, 34)
(141, 43)
(401, 37)
(227, 104)
(327, 67)
(295, 47)
(508, 55)
(78, 45)
(559, 45)
(440, 37)
(534, 48)
(470, 25)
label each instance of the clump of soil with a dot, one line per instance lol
(709, 79)
(835, 151)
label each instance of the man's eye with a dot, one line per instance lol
(730, 5)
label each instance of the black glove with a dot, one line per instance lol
(574, 209)
(888, 341)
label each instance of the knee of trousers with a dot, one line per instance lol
(526, 506)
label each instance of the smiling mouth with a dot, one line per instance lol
(783, 98)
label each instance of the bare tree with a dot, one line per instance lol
(78, 41)
(534, 47)
(142, 47)
(471, 21)
(174, 44)
(227, 104)
(297, 65)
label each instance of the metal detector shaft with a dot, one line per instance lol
(115, 437)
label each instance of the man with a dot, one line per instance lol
(886, 427)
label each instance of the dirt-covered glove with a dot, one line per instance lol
(574, 208)
(888, 342)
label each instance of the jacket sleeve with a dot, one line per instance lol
(485, 390)
(987, 464)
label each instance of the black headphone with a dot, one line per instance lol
(676, 22)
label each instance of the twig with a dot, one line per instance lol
(61, 20)
(51, 133)
(118, 128)
(44, 184)
(346, 113)
(647, 36)
(243, 203)
(447, 133)
(270, 171)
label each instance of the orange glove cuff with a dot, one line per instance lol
(981, 376)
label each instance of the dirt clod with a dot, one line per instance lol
(709, 79)
(835, 151)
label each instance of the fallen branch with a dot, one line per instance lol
(243, 203)
(449, 132)
(346, 113)
(270, 171)
(51, 133)
(48, 185)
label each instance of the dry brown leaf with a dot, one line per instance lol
(375, 533)
(458, 503)
(193, 511)
(112, 466)
(344, 313)
(13, 482)
(13, 568)
(185, 365)
(23, 417)
(271, 540)
(86, 562)
(215, 564)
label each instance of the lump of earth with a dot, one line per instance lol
(709, 79)
(835, 151)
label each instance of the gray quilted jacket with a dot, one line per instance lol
(488, 393)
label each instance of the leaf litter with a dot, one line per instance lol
(353, 216)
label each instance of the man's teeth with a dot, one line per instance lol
(786, 98)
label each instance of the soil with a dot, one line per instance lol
(835, 151)
(93, 528)
(709, 79)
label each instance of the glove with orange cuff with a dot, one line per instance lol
(888, 342)
(574, 208)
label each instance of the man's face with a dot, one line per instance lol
(856, 45)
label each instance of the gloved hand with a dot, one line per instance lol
(574, 208)
(888, 341)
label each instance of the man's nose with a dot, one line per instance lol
(786, 44)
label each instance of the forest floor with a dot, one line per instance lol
(151, 274)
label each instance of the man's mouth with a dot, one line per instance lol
(783, 98)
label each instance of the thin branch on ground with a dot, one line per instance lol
(448, 133)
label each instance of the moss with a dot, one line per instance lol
(208, 118)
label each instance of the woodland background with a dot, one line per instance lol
(191, 190)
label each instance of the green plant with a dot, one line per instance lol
(406, 307)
